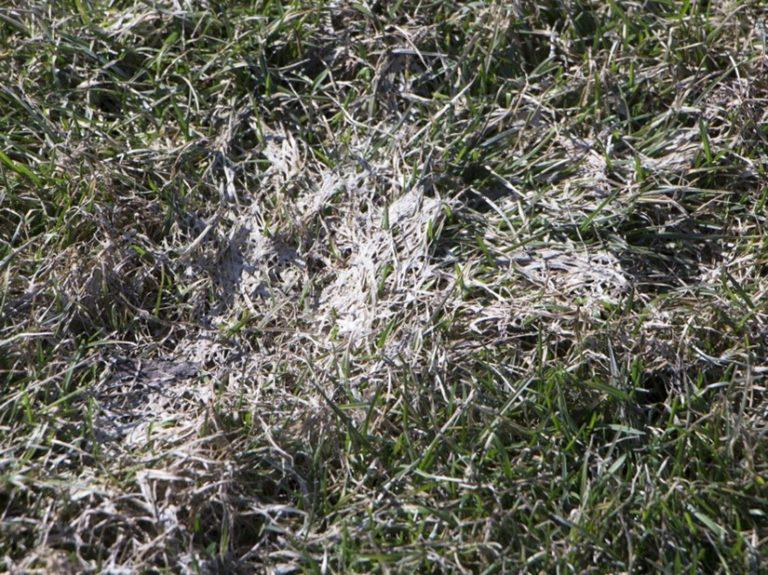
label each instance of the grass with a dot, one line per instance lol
(416, 286)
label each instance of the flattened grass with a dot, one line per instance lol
(383, 287)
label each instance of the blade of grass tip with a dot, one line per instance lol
(704, 134)
(439, 436)
(345, 418)
(20, 26)
(25, 335)
(739, 290)
(598, 210)
(440, 113)
(8, 258)
(20, 169)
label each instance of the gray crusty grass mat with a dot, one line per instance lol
(383, 287)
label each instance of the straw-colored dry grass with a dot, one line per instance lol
(417, 286)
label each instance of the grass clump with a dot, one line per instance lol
(422, 286)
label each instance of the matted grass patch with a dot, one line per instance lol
(393, 287)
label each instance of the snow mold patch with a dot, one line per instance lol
(388, 254)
